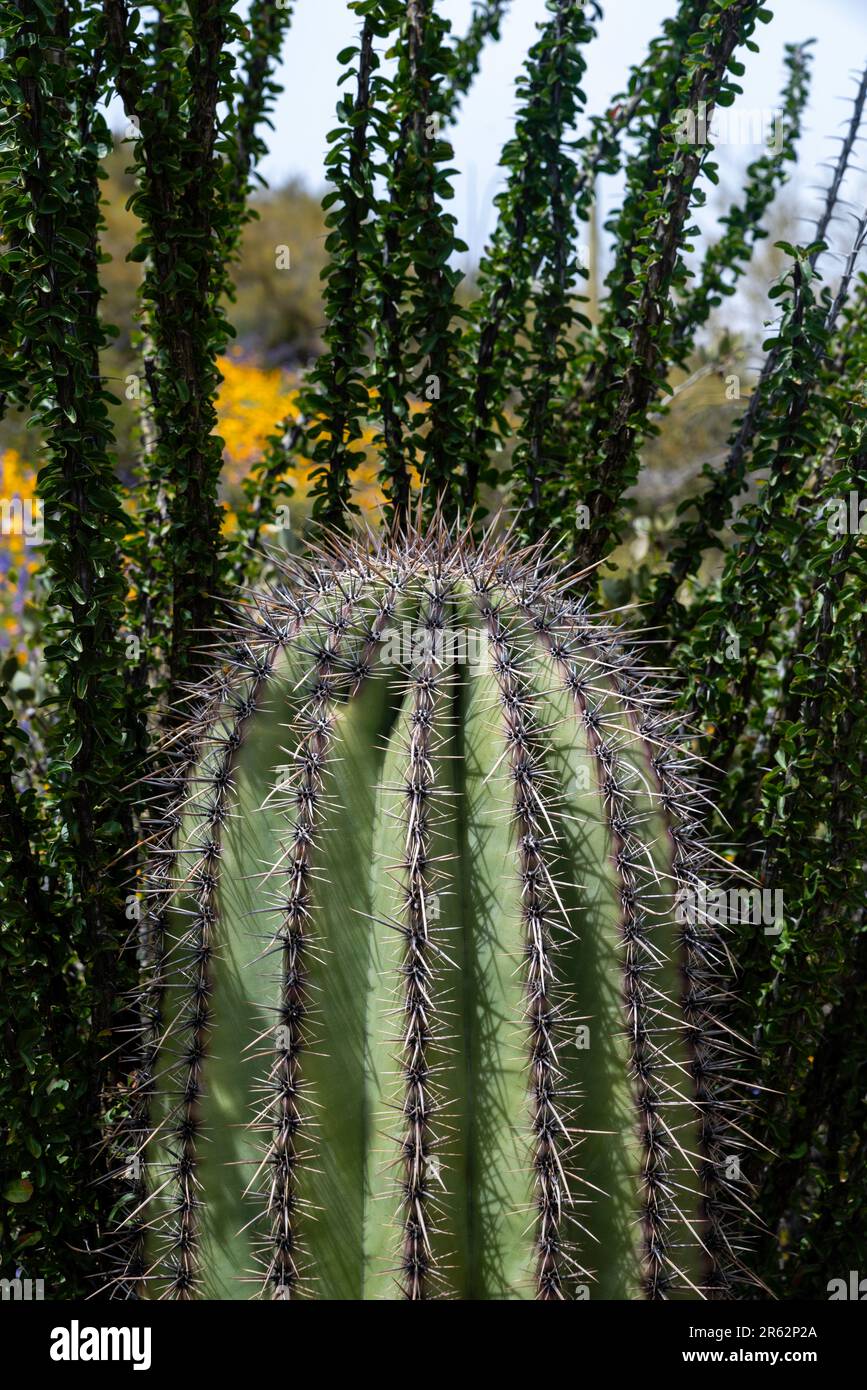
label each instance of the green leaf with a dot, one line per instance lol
(19, 1191)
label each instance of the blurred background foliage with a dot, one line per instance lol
(278, 317)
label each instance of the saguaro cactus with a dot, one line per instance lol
(422, 1018)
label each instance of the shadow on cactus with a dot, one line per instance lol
(423, 1015)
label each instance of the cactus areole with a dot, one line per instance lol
(423, 1017)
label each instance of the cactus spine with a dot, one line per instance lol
(421, 1017)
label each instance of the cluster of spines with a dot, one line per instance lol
(648, 1012)
(335, 674)
(419, 1105)
(645, 1012)
(209, 790)
(553, 1140)
(705, 963)
(283, 1115)
(210, 726)
(716, 1052)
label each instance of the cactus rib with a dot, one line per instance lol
(712, 1048)
(284, 1081)
(419, 1106)
(542, 909)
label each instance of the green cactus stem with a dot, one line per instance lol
(423, 1017)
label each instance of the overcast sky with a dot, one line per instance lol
(308, 74)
